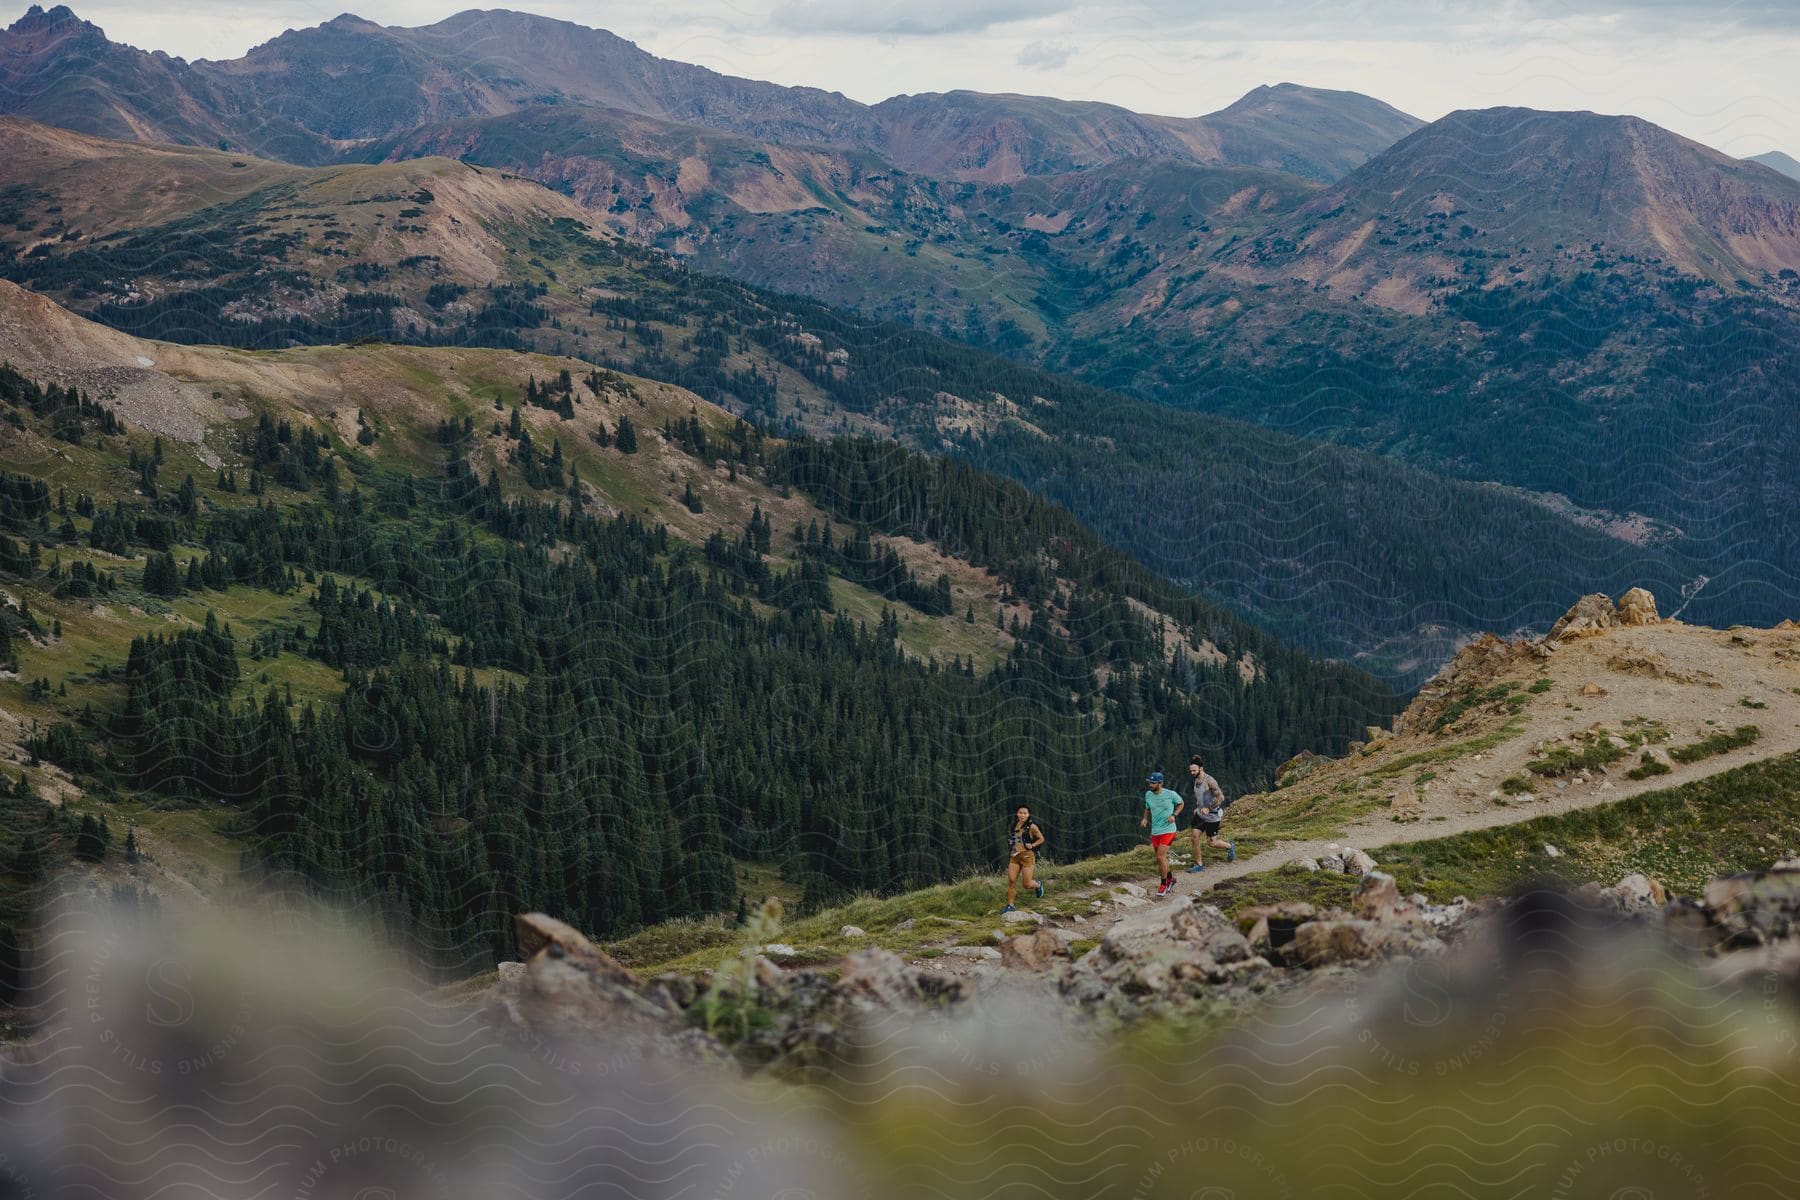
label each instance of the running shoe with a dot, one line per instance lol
(1162, 889)
(1231, 852)
(1007, 909)
(1040, 889)
(1196, 867)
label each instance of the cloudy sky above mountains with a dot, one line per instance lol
(1721, 72)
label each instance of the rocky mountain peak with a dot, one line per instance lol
(47, 25)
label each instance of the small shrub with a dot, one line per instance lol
(1473, 698)
(1566, 760)
(1718, 743)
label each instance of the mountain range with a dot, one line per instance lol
(310, 95)
(1590, 312)
(1339, 550)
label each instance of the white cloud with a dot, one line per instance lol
(898, 18)
(1046, 56)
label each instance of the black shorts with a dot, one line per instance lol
(1209, 828)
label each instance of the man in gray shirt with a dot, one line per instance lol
(1209, 812)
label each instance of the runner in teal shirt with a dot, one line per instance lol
(1162, 804)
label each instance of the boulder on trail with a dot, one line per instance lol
(568, 990)
(1326, 943)
(1638, 607)
(1589, 615)
(1142, 957)
(1356, 862)
(1377, 897)
(880, 980)
(1033, 951)
(1639, 893)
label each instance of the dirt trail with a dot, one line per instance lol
(1687, 680)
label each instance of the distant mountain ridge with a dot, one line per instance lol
(1501, 193)
(310, 95)
(1775, 160)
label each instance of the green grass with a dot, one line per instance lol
(1451, 752)
(963, 913)
(1566, 760)
(1597, 751)
(1472, 699)
(939, 638)
(1295, 815)
(1718, 743)
(1737, 820)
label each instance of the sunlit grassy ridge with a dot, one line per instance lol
(1738, 820)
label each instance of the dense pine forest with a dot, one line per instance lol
(540, 707)
(1696, 401)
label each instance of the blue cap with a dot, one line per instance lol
(1155, 777)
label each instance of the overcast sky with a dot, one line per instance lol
(1722, 73)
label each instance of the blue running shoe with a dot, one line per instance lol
(1007, 909)
(1231, 853)
(1040, 889)
(1196, 867)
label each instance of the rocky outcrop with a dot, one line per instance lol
(1154, 959)
(1589, 615)
(1597, 613)
(1482, 660)
(879, 980)
(1349, 940)
(1637, 607)
(1298, 767)
(1755, 909)
(568, 993)
(1148, 961)
(1033, 951)
(1377, 897)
